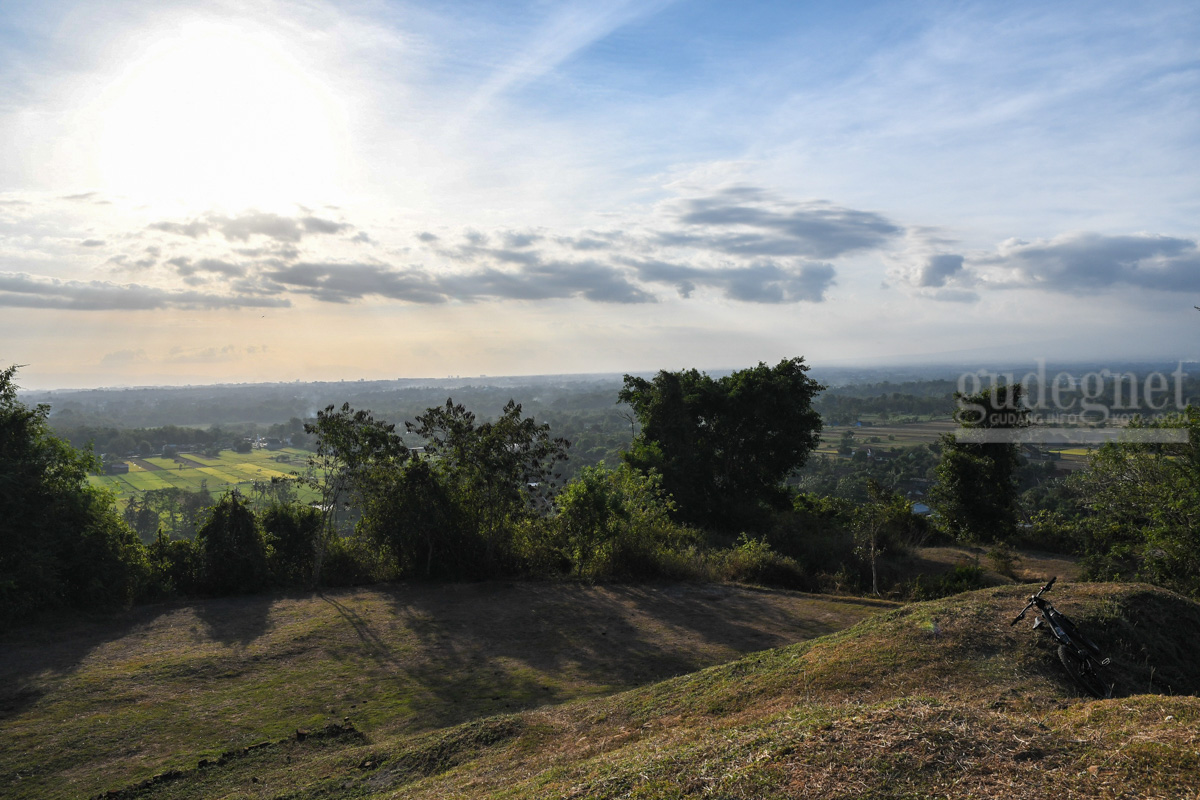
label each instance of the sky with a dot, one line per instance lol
(215, 192)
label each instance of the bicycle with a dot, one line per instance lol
(1080, 656)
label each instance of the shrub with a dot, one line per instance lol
(964, 578)
(753, 561)
(355, 561)
(616, 524)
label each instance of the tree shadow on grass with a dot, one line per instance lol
(37, 654)
(494, 647)
(235, 621)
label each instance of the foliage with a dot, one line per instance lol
(412, 512)
(976, 490)
(174, 510)
(349, 446)
(61, 541)
(289, 531)
(497, 473)
(723, 446)
(353, 560)
(753, 561)
(233, 555)
(175, 568)
(885, 524)
(616, 522)
(1142, 504)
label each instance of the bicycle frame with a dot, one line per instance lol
(1078, 653)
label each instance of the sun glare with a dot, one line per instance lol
(219, 117)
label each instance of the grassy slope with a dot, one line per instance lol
(91, 706)
(939, 698)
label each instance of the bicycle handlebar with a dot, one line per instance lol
(1033, 599)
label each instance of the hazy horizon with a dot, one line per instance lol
(215, 192)
(833, 374)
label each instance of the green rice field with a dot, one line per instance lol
(912, 434)
(191, 470)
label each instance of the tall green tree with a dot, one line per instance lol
(1141, 504)
(289, 529)
(233, 554)
(350, 446)
(62, 542)
(975, 492)
(411, 510)
(497, 472)
(724, 446)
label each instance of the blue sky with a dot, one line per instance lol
(209, 192)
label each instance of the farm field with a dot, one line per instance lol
(191, 471)
(913, 434)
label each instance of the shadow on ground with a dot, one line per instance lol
(496, 647)
(38, 654)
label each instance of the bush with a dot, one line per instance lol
(354, 561)
(175, 568)
(964, 578)
(615, 524)
(540, 548)
(753, 561)
(818, 532)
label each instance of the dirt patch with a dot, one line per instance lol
(1029, 566)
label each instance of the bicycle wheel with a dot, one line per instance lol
(1087, 679)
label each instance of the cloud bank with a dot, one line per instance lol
(739, 244)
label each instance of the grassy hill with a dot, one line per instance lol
(94, 705)
(939, 698)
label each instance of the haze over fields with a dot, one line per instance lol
(200, 192)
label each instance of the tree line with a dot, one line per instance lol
(702, 491)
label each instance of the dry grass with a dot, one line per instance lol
(91, 705)
(932, 699)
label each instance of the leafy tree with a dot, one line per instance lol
(976, 489)
(411, 511)
(62, 542)
(177, 510)
(349, 446)
(289, 530)
(175, 567)
(616, 522)
(497, 472)
(885, 523)
(233, 553)
(143, 519)
(724, 446)
(1142, 506)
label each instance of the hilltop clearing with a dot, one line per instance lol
(941, 698)
(89, 706)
